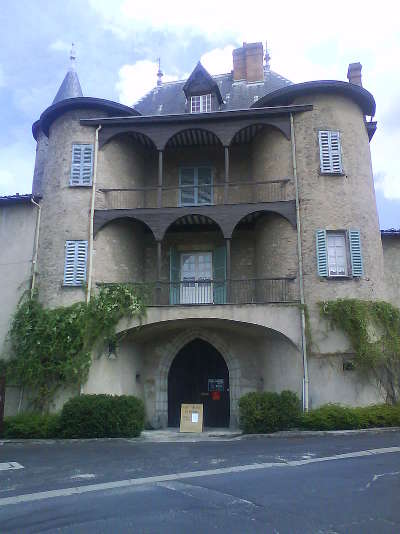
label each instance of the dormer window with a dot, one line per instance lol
(200, 103)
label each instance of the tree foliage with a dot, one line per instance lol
(51, 348)
(373, 328)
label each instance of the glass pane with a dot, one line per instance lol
(204, 175)
(204, 195)
(187, 176)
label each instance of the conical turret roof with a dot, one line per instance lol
(70, 87)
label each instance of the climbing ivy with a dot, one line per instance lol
(51, 348)
(373, 328)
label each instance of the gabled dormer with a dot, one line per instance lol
(202, 92)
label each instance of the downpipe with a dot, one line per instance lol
(35, 252)
(92, 206)
(300, 260)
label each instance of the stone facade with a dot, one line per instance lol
(260, 337)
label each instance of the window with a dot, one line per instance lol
(330, 152)
(337, 258)
(82, 165)
(198, 277)
(75, 263)
(200, 104)
(195, 186)
(333, 253)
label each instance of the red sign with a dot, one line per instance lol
(215, 395)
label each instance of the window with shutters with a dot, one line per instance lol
(337, 257)
(339, 253)
(200, 103)
(195, 186)
(75, 263)
(330, 152)
(82, 165)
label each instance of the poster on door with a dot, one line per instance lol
(191, 418)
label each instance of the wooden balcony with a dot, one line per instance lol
(152, 197)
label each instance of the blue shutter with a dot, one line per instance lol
(330, 152)
(357, 268)
(322, 253)
(174, 276)
(75, 263)
(219, 275)
(82, 165)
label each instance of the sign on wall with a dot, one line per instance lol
(191, 418)
(216, 384)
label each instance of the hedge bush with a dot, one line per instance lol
(330, 417)
(268, 412)
(31, 425)
(102, 416)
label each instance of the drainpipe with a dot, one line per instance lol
(301, 284)
(90, 255)
(35, 253)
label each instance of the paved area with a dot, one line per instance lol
(334, 483)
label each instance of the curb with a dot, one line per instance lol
(193, 438)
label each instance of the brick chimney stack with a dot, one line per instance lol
(354, 73)
(248, 63)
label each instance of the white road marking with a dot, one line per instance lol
(77, 490)
(376, 477)
(83, 476)
(6, 466)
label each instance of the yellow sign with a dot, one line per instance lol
(191, 418)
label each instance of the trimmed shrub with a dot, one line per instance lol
(337, 417)
(330, 417)
(268, 412)
(31, 425)
(102, 416)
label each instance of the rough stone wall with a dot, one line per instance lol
(276, 246)
(118, 252)
(40, 163)
(391, 258)
(123, 163)
(336, 203)
(65, 209)
(17, 235)
(272, 160)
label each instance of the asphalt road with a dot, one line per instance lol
(326, 484)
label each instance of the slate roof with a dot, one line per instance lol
(392, 232)
(169, 98)
(70, 87)
(17, 199)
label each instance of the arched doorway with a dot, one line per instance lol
(199, 375)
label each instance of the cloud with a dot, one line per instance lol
(60, 46)
(218, 60)
(16, 168)
(138, 79)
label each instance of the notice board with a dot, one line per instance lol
(191, 418)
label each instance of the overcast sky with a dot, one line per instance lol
(118, 41)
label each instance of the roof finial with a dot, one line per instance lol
(267, 57)
(72, 56)
(160, 73)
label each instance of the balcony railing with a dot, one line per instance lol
(200, 292)
(221, 193)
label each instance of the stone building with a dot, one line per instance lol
(238, 199)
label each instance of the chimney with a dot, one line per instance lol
(354, 73)
(248, 63)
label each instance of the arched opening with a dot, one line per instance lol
(199, 375)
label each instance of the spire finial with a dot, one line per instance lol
(267, 57)
(72, 56)
(160, 73)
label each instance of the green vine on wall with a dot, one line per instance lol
(51, 348)
(373, 328)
